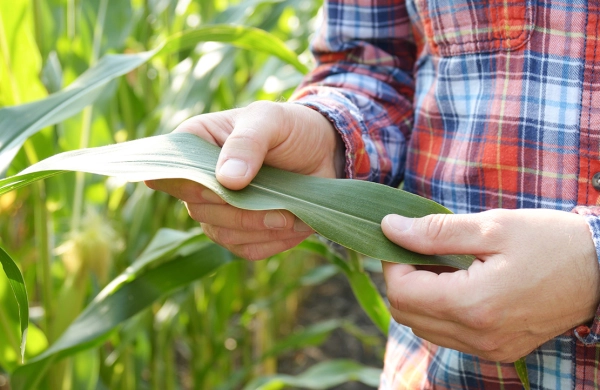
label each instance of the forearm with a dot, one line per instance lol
(364, 86)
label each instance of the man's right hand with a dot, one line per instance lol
(283, 135)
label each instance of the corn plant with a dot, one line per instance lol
(124, 291)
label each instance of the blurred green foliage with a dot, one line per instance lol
(222, 328)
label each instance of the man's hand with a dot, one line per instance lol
(536, 276)
(282, 135)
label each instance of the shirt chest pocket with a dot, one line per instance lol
(455, 27)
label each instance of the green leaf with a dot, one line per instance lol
(318, 275)
(164, 245)
(363, 288)
(370, 300)
(17, 285)
(86, 367)
(324, 204)
(119, 302)
(321, 376)
(314, 334)
(20, 60)
(521, 368)
(248, 38)
(18, 123)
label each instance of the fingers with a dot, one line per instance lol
(225, 236)
(437, 309)
(287, 136)
(442, 333)
(186, 190)
(504, 347)
(445, 296)
(415, 291)
(245, 135)
(259, 251)
(227, 216)
(205, 206)
(442, 234)
(214, 127)
(256, 130)
(252, 235)
(431, 328)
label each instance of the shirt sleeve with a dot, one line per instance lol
(591, 334)
(364, 85)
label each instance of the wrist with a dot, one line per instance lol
(319, 128)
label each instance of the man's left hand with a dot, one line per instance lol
(535, 277)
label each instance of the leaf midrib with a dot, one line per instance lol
(208, 169)
(315, 204)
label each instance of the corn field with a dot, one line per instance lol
(125, 292)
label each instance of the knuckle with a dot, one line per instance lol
(261, 106)
(190, 191)
(196, 212)
(194, 125)
(419, 334)
(499, 356)
(247, 138)
(209, 230)
(186, 125)
(481, 317)
(399, 305)
(491, 356)
(246, 219)
(508, 359)
(239, 218)
(224, 236)
(487, 345)
(435, 227)
(397, 317)
(493, 223)
(251, 252)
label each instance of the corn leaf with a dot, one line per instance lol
(363, 288)
(370, 300)
(116, 304)
(248, 38)
(17, 123)
(17, 285)
(312, 335)
(348, 212)
(321, 376)
(521, 367)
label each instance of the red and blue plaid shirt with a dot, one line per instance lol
(476, 105)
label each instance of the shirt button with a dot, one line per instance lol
(582, 331)
(596, 181)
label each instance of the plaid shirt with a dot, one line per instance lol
(476, 105)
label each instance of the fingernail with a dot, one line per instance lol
(275, 220)
(234, 168)
(398, 222)
(300, 226)
(210, 196)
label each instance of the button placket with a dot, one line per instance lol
(596, 181)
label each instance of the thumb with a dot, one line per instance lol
(256, 130)
(440, 234)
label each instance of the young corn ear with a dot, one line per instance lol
(92, 248)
